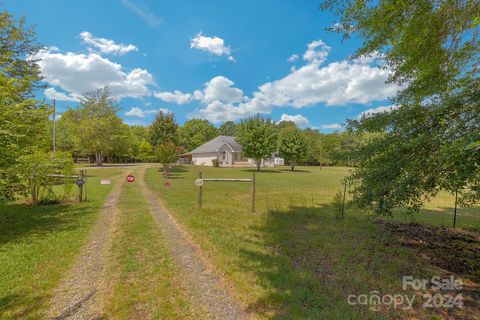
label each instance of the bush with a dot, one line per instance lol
(340, 210)
(215, 162)
(166, 153)
(34, 170)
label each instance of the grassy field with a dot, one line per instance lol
(39, 243)
(292, 258)
(146, 284)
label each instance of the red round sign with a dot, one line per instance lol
(130, 178)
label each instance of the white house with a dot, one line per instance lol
(228, 152)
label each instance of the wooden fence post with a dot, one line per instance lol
(80, 188)
(344, 194)
(252, 196)
(85, 184)
(200, 191)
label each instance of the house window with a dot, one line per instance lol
(224, 156)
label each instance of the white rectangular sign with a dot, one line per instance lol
(105, 181)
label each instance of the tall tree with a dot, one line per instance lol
(167, 154)
(22, 119)
(100, 127)
(292, 145)
(196, 132)
(67, 137)
(228, 128)
(428, 144)
(163, 129)
(258, 138)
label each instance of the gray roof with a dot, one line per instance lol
(215, 144)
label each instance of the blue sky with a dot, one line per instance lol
(218, 60)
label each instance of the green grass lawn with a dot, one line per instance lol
(39, 243)
(146, 284)
(292, 258)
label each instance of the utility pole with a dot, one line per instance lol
(54, 127)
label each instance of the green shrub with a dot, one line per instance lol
(35, 170)
(338, 205)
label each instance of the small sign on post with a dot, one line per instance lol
(105, 181)
(130, 178)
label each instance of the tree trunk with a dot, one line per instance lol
(259, 163)
(33, 192)
(98, 157)
(292, 166)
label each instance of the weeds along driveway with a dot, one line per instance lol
(80, 295)
(206, 286)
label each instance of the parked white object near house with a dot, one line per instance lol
(228, 152)
(279, 161)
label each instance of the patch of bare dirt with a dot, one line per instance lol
(455, 250)
(449, 252)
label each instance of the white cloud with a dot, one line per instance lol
(155, 111)
(360, 81)
(52, 93)
(219, 89)
(176, 96)
(298, 119)
(380, 109)
(338, 83)
(137, 112)
(214, 45)
(294, 57)
(339, 27)
(144, 13)
(78, 73)
(317, 52)
(107, 45)
(332, 126)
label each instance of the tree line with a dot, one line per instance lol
(94, 129)
(431, 142)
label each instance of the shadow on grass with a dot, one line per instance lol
(296, 170)
(19, 220)
(262, 170)
(177, 169)
(20, 306)
(467, 217)
(111, 165)
(316, 261)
